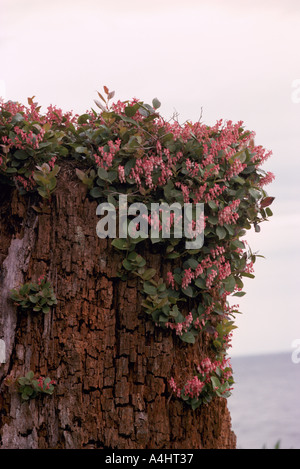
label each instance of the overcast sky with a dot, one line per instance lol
(234, 60)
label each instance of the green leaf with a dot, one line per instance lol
(193, 263)
(22, 381)
(128, 166)
(103, 174)
(269, 212)
(11, 170)
(81, 149)
(239, 180)
(230, 229)
(112, 176)
(33, 298)
(173, 255)
(144, 112)
(237, 244)
(188, 291)
(156, 103)
(120, 243)
(188, 337)
(21, 155)
(155, 240)
(255, 193)
(195, 403)
(200, 283)
(149, 289)
(130, 111)
(247, 274)
(96, 192)
(83, 118)
(55, 171)
(127, 264)
(241, 155)
(128, 119)
(212, 205)
(221, 232)
(29, 375)
(138, 239)
(46, 381)
(148, 274)
(161, 288)
(80, 174)
(213, 220)
(133, 256)
(215, 382)
(17, 118)
(256, 228)
(52, 184)
(43, 193)
(239, 282)
(24, 289)
(229, 283)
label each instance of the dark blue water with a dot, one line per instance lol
(265, 402)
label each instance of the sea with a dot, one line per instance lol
(265, 401)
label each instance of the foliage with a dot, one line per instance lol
(30, 388)
(210, 379)
(45, 177)
(276, 446)
(129, 149)
(34, 296)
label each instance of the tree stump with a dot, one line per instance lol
(110, 362)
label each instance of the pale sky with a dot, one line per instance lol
(234, 60)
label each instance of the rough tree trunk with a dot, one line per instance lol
(110, 363)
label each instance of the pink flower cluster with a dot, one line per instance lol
(174, 387)
(199, 323)
(193, 387)
(216, 258)
(210, 278)
(229, 214)
(51, 163)
(249, 268)
(41, 384)
(170, 280)
(206, 370)
(27, 184)
(121, 173)
(41, 279)
(181, 326)
(195, 228)
(56, 115)
(236, 168)
(185, 192)
(192, 167)
(267, 179)
(218, 251)
(105, 160)
(148, 164)
(260, 154)
(24, 139)
(187, 278)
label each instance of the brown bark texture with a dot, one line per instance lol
(110, 362)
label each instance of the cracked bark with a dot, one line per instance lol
(111, 364)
